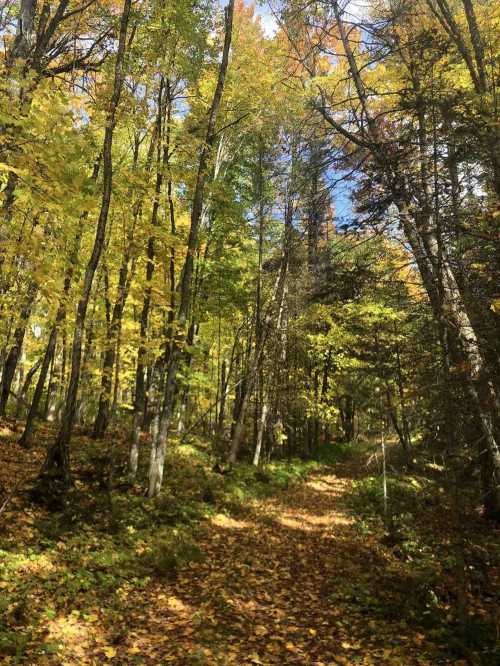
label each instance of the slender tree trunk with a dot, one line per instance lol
(260, 432)
(276, 300)
(57, 462)
(103, 414)
(347, 410)
(315, 206)
(49, 412)
(29, 427)
(12, 358)
(86, 369)
(116, 383)
(223, 393)
(158, 452)
(23, 391)
(140, 396)
(25, 439)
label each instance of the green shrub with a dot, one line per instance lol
(13, 644)
(171, 551)
(404, 493)
(335, 452)
(174, 511)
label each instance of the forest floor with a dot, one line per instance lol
(284, 565)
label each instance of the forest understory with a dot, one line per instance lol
(289, 563)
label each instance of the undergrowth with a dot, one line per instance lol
(419, 526)
(99, 545)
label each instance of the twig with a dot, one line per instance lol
(9, 497)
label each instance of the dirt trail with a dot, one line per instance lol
(292, 581)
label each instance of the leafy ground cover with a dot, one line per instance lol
(291, 563)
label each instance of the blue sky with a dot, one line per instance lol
(341, 193)
(267, 19)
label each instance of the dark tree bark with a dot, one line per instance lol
(103, 413)
(21, 397)
(12, 358)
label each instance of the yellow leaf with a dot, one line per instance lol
(313, 632)
(134, 650)
(495, 305)
(110, 652)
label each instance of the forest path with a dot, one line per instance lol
(291, 581)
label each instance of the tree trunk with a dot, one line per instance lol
(29, 427)
(103, 414)
(140, 397)
(11, 361)
(224, 385)
(158, 451)
(347, 410)
(276, 299)
(25, 439)
(260, 432)
(57, 462)
(23, 391)
(49, 412)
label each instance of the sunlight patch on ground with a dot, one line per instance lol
(320, 515)
(330, 484)
(77, 638)
(320, 486)
(221, 520)
(39, 566)
(309, 522)
(175, 604)
(6, 432)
